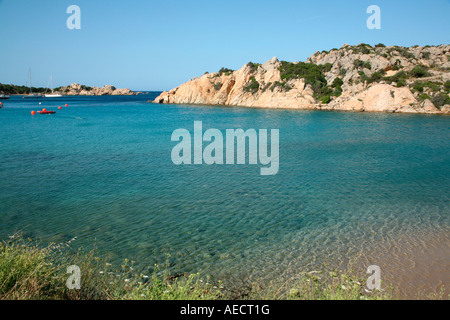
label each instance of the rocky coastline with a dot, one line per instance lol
(353, 78)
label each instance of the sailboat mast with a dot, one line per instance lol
(31, 91)
(49, 85)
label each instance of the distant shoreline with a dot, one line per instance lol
(74, 89)
(86, 95)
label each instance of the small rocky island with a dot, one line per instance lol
(76, 89)
(353, 78)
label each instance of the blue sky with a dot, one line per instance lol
(157, 45)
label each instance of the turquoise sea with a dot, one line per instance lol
(101, 170)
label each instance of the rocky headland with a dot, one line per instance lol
(353, 78)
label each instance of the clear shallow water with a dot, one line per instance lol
(101, 170)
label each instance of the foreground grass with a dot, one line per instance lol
(30, 272)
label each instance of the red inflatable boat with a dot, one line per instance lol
(46, 112)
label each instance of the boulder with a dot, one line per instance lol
(429, 107)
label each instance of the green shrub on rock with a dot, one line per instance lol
(419, 72)
(447, 86)
(226, 71)
(253, 86)
(440, 99)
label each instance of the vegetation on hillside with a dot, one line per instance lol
(313, 75)
(362, 48)
(218, 86)
(440, 99)
(225, 71)
(359, 64)
(253, 66)
(253, 86)
(13, 89)
(419, 71)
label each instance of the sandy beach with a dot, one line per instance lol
(417, 265)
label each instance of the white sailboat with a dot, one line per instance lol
(52, 95)
(31, 94)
